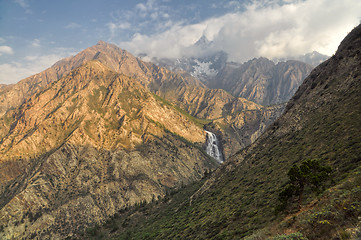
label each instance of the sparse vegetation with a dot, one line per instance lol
(97, 98)
(199, 122)
(292, 236)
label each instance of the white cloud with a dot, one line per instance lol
(15, 71)
(170, 43)
(114, 27)
(6, 50)
(150, 15)
(265, 28)
(141, 7)
(22, 3)
(73, 25)
(36, 43)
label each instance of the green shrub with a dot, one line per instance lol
(292, 236)
(92, 231)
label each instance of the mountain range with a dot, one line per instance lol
(260, 80)
(102, 131)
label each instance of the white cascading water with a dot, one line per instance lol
(212, 148)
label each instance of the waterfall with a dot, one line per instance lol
(212, 147)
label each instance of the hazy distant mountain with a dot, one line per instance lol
(314, 58)
(261, 80)
(198, 60)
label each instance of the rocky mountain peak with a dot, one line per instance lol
(203, 42)
(101, 42)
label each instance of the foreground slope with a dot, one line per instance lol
(89, 144)
(322, 121)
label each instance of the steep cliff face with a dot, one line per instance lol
(88, 145)
(241, 128)
(261, 80)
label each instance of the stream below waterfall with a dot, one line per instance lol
(213, 148)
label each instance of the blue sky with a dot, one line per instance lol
(34, 34)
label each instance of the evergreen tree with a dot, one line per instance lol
(309, 173)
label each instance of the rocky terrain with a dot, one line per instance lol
(202, 68)
(261, 80)
(240, 199)
(239, 129)
(94, 141)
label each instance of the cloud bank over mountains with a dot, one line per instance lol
(272, 29)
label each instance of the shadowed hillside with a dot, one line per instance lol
(320, 122)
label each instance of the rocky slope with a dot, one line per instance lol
(261, 80)
(238, 201)
(87, 145)
(241, 128)
(103, 130)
